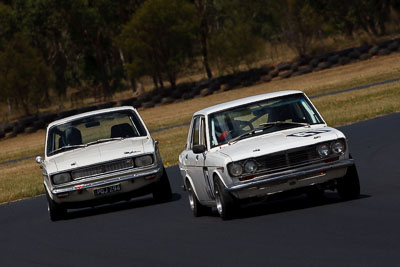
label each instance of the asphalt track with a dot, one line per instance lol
(289, 232)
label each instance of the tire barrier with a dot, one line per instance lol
(393, 46)
(286, 74)
(365, 56)
(106, 105)
(384, 52)
(127, 102)
(284, 66)
(205, 87)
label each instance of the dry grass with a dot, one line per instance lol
(365, 72)
(23, 145)
(171, 143)
(23, 179)
(20, 180)
(360, 105)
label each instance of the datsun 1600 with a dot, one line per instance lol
(252, 148)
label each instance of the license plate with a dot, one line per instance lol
(107, 190)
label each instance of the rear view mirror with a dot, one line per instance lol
(39, 160)
(198, 149)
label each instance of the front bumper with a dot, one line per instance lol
(275, 183)
(83, 191)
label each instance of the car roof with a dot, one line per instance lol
(90, 113)
(244, 101)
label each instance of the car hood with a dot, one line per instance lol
(278, 141)
(98, 153)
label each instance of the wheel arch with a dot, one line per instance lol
(187, 180)
(217, 176)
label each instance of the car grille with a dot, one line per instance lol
(103, 168)
(287, 159)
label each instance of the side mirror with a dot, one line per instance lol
(198, 149)
(39, 160)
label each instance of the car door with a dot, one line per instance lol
(196, 162)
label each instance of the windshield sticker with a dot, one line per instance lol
(308, 133)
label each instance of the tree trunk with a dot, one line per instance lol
(205, 54)
(155, 81)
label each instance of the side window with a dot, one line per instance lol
(195, 132)
(198, 132)
(203, 132)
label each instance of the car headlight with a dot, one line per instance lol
(61, 178)
(143, 161)
(323, 150)
(337, 147)
(235, 169)
(250, 166)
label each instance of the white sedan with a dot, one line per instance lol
(252, 148)
(99, 157)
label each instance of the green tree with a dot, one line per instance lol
(24, 76)
(7, 23)
(300, 24)
(44, 22)
(234, 40)
(207, 14)
(160, 39)
(347, 17)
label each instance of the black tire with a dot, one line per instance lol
(226, 206)
(197, 208)
(162, 191)
(56, 212)
(348, 187)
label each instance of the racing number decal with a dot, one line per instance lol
(209, 190)
(309, 133)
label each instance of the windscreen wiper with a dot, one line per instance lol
(263, 127)
(267, 125)
(284, 122)
(104, 140)
(65, 148)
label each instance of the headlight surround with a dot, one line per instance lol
(323, 150)
(143, 161)
(250, 166)
(337, 147)
(62, 178)
(235, 169)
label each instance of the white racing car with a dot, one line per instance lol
(99, 157)
(251, 148)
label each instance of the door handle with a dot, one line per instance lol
(186, 156)
(197, 157)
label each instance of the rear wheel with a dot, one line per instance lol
(348, 187)
(163, 192)
(56, 212)
(197, 208)
(224, 200)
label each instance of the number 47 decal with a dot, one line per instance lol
(308, 133)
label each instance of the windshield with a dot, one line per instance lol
(261, 117)
(94, 129)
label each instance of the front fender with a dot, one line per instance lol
(187, 180)
(218, 175)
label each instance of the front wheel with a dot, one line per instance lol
(56, 212)
(197, 208)
(348, 187)
(163, 192)
(224, 200)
